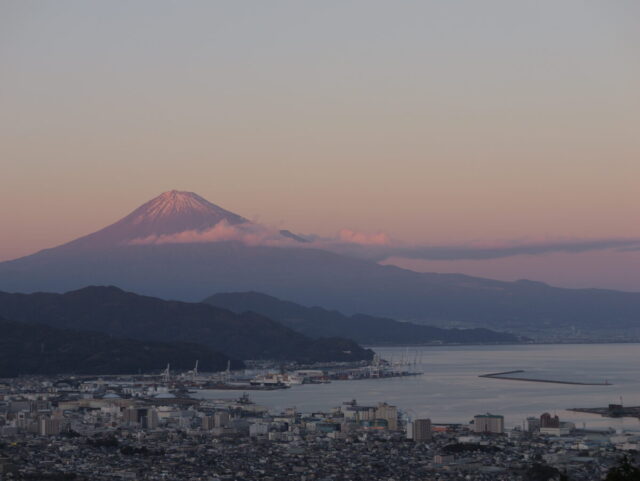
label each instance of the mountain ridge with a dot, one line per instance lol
(119, 313)
(191, 272)
(309, 275)
(316, 321)
(40, 349)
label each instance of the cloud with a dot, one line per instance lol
(633, 248)
(379, 246)
(248, 233)
(353, 237)
(483, 252)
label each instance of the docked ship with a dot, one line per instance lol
(276, 380)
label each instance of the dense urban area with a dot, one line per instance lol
(151, 428)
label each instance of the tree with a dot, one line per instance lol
(625, 471)
(543, 472)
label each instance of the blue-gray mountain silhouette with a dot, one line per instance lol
(307, 275)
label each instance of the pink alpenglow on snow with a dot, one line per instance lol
(170, 213)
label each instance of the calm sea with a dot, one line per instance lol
(450, 391)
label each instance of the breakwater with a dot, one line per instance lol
(611, 411)
(508, 376)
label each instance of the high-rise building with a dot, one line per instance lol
(221, 419)
(258, 429)
(422, 430)
(208, 423)
(548, 421)
(152, 419)
(488, 423)
(533, 424)
(357, 413)
(388, 413)
(131, 416)
(50, 427)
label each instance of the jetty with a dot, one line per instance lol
(611, 411)
(508, 376)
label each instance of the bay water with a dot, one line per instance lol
(450, 391)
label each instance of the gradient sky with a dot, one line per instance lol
(436, 122)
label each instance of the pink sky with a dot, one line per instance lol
(432, 123)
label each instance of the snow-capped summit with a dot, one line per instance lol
(174, 204)
(171, 212)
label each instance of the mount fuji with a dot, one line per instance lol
(146, 252)
(172, 212)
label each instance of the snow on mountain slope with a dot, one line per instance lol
(170, 213)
